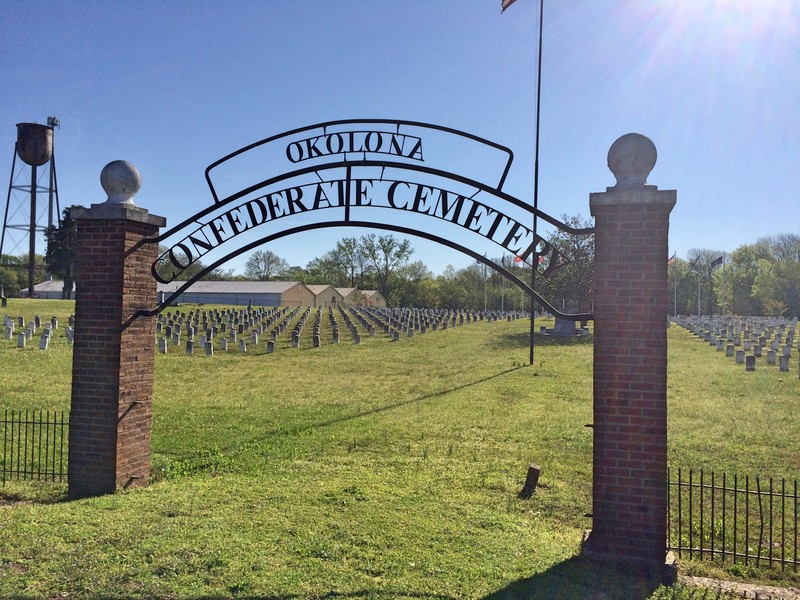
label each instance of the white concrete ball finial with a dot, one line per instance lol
(120, 180)
(631, 158)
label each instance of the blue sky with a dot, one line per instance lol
(174, 86)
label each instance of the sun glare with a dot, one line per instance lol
(742, 20)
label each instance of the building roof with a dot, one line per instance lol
(237, 287)
(318, 289)
(53, 285)
(345, 292)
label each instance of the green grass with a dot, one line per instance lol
(383, 470)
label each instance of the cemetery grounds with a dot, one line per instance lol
(378, 470)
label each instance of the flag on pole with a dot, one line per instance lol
(672, 259)
(517, 259)
(717, 261)
(504, 4)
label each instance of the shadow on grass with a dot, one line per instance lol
(211, 460)
(392, 406)
(522, 340)
(325, 596)
(15, 492)
(580, 578)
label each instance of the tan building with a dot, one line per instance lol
(240, 293)
(351, 296)
(374, 298)
(325, 295)
(244, 293)
(354, 296)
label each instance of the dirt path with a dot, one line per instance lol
(744, 590)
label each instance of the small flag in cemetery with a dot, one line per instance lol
(717, 261)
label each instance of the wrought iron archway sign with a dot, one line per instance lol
(349, 173)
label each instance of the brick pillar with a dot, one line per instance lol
(631, 302)
(112, 364)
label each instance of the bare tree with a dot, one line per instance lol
(263, 265)
(385, 254)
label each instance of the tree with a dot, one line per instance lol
(682, 287)
(408, 288)
(384, 254)
(164, 269)
(348, 257)
(701, 265)
(326, 270)
(570, 285)
(263, 265)
(60, 254)
(741, 269)
(777, 286)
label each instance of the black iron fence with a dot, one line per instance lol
(742, 519)
(34, 445)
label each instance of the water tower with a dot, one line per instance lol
(32, 176)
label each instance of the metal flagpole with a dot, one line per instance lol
(696, 270)
(503, 284)
(535, 257)
(675, 282)
(723, 284)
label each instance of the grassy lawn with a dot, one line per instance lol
(383, 470)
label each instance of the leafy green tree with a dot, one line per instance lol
(326, 270)
(60, 254)
(13, 274)
(777, 287)
(569, 286)
(407, 286)
(295, 273)
(451, 293)
(735, 284)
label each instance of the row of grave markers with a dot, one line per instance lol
(236, 327)
(747, 338)
(27, 331)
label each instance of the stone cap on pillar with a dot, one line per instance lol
(631, 158)
(121, 181)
